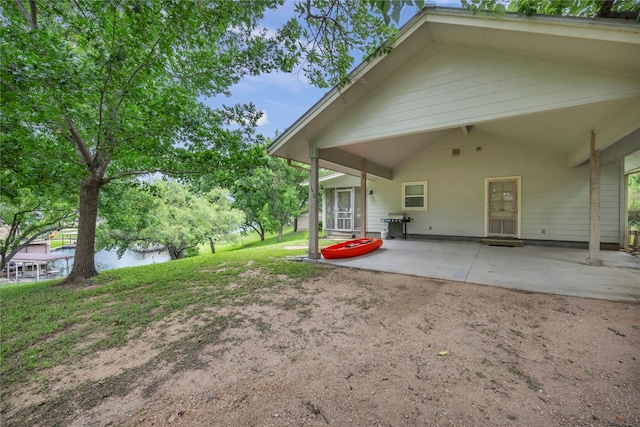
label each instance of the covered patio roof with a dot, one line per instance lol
(602, 55)
(35, 259)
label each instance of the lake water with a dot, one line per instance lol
(108, 260)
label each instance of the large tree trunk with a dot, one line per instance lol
(213, 245)
(174, 251)
(84, 266)
(280, 233)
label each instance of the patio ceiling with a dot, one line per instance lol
(559, 131)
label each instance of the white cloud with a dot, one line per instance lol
(291, 82)
(265, 31)
(263, 120)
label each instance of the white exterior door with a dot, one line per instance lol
(502, 205)
(344, 209)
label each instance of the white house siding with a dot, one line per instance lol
(554, 198)
(447, 87)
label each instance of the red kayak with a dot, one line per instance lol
(351, 248)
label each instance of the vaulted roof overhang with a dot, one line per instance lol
(593, 67)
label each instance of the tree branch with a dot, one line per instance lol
(31, 18)
(256, 227)
(150, 57)
(34, 15)
(148, 172)
(79, 6)
(103, 91)
(605, 8)
(78, 143)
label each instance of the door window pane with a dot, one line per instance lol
(503, 208)
(414, 190)
(508, 226)
(414, 202)
(330, 214)
(344, 201)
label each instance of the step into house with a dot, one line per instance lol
(503, 242)
(342, 235)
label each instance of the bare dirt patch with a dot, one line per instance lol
(364, 348)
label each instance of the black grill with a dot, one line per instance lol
(397, 224)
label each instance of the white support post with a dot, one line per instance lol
(363, 199)
(314, 252)
(594, 205)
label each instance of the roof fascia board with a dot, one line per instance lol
(324, 178)
(585, 28)
(332, 176)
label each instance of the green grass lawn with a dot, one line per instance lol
(63, 237)
(44, 325)
(252, 240)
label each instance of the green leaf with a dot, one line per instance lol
(386, 6)
(395, 15)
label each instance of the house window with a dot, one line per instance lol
(414, 196)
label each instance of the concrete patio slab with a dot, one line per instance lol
(530, 268)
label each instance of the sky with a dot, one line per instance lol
(284, 97)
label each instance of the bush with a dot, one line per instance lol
(193, 251)
(634, 218)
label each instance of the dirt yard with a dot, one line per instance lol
(356, 348)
